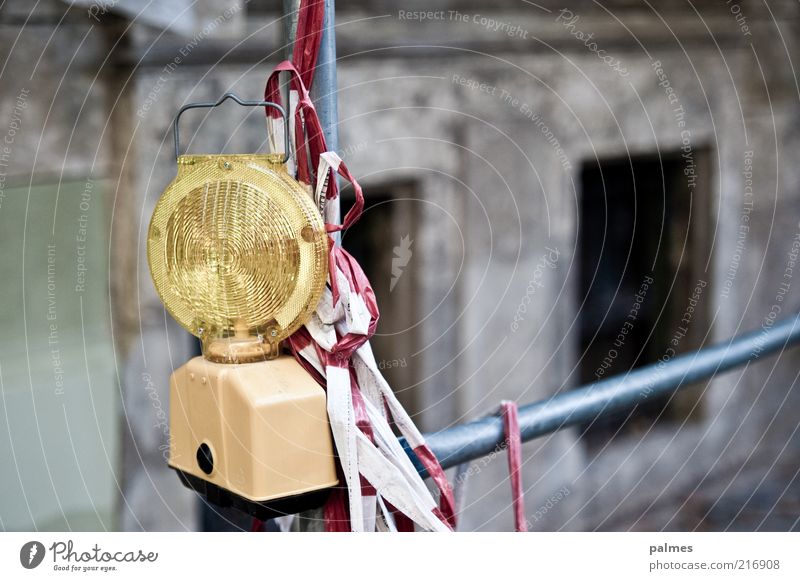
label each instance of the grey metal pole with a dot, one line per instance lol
(325, 98)
(324, 94)
(291, 9)
(324, 91)
(481, 437)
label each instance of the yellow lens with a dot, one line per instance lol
(237, 249)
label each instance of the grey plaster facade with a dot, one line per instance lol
(474, 124)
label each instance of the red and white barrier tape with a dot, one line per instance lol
(513, 443)
(384, 491)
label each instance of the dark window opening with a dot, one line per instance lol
(382, 242)
(643, 248)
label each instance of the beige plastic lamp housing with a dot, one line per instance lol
(252, 435)
(238, 255)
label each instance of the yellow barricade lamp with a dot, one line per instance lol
(239, 256)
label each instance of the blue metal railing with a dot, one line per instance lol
(481, 437)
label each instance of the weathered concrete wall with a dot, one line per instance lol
(59, 410)
(496, 194)
(482, 128)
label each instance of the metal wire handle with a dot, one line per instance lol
(234, 97)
